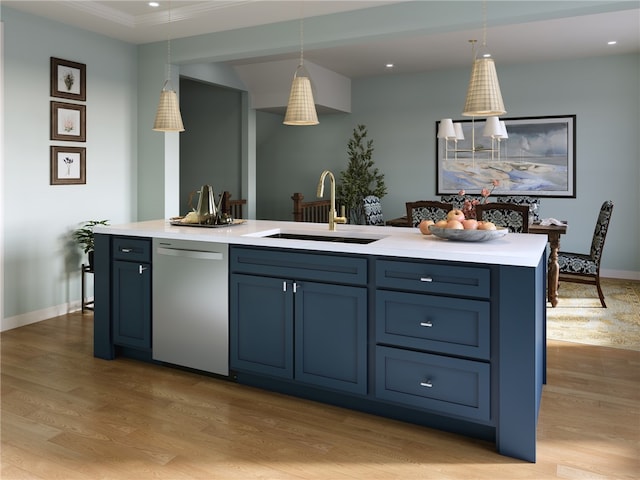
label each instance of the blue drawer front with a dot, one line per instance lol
(434, 278)
(438, 324)
(131, 249)
(447, 385)
(299, 266)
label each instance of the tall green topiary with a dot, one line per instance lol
(361, 178)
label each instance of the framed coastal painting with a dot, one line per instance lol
(68, 79)
(68, 121)
(533, 156)
(68, 165)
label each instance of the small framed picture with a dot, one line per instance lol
(68, 165)
(68, 121)
(68, 79)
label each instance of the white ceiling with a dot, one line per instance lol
(555, 39)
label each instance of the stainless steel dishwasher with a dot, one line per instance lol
(191, 304)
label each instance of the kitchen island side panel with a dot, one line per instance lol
(102, 338)
(521, 358)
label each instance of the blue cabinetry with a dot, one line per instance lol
(122, 318)
(131, 287)
(295, 326)
(452, 345)
(432, 344)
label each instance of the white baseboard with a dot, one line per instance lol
(10, 323)
(621, 274)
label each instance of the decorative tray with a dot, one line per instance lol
(468, 235)
(177, 221)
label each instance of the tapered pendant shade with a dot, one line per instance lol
(484, 98)
(503, 128)
(492, 128)
(168, 118)
(446, 129)
(301, 109)
(458, 129)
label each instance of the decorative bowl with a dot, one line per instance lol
(468, 235)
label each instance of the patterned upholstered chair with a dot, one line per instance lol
(585, 268)
(426, 210)
(458, 200)
(373, 210)
(515, 217)
(532, 202)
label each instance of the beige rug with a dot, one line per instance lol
(580, 318)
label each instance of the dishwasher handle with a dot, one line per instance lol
(175, 252)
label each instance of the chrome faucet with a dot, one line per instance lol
(333, 217)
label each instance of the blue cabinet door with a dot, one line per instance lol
(261, 329)
(331, 336)
(304, 331)
(131, 283)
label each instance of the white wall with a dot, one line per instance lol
(41, 262)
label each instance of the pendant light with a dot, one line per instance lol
(446, 131)
(484, 98)
(301, 109)
(168, 118)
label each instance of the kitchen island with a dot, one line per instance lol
(384, 320)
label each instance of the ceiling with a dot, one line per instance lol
(527, 41)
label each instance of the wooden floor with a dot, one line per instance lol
(68, 415)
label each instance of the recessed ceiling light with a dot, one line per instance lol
(154, 4)
(389, 65)
(612, 42)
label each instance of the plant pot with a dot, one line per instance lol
(90, 255)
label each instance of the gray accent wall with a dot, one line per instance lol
(210, 146)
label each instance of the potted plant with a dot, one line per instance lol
(361, 178)
(84, 237)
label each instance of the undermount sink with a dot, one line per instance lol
(322, 238)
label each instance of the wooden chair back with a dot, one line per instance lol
(316, 211)
(426, 210)
(232, 207)
(515, 217)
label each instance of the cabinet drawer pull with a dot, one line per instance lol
(126, 250)
(284, 286)
(428, 323)
(426, 279)
(141, 269)
(427, 384)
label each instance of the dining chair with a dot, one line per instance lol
(315, 211)
(514, 217)
(532, 202)
(458, 200)
(426, 210)
(585, 268)
(232, 207)
(373, 210)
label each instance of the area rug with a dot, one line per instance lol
(580, 318)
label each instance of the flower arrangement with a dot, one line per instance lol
(469, 206)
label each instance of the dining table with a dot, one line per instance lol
(553, 233)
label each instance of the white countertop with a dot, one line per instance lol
(514, 249)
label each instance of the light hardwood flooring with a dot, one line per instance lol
(68, 415)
